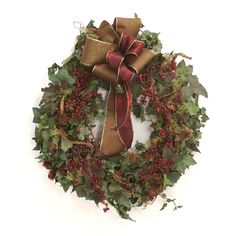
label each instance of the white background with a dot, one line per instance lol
(35, 34)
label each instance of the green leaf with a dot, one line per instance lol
(66, 144)
(136, 89)
(50, 95)
(114, 188)
(66, 186)
(62, 156)
(74, 122)
(171, 178)
(37, 113)
(183, 164)
(53, 69)
(90, 24)
(84, 131)
(150, 111)
(139, 146)
(93, 85)
(192, 108)
(124, 201)
(54, 131)
(62, 76)
(150, 40)
(138, 111)
(119, 89)
(45, 135)
(100, 115)
(123, 213)
(183, 70)
(194, 87)
(187, 92)
(163, 206)
(167, 153)
(197, 87)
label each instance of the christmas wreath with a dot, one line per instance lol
(115, 71)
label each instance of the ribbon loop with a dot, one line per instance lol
(126, 42)
(114, 59)
(117, 57)
(95, 51)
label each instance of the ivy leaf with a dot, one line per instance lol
(138, 111)
(37, 113)
(183, 164)
(90, 24)
(114, 188)
(123, 212)
(66, 144)
(66, 186)
(124, 201)
(192, 108)
(93, 85)
(136, 89)
(50, 95)
(62, 76)
(136, 15)
(53, 69)
(196, 86)
(168, 154)
(150, 111)
(139, 146)
(187, 92)
(150, 39)
(73, 122)
(183, 70)
(62, 155)
(171, 178)
(84, 131)
(163, 206)
(119, 89)
(45, 136)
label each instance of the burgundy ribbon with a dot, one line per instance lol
(128, 46)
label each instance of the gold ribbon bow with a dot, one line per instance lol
(94, 54)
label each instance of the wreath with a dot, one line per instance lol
(115, 71)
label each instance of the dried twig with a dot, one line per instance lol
(62, 105)
(183, 55)
(82, 143)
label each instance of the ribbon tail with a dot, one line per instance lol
(123, 116)
(111, 142)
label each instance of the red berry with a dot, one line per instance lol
(52, 174)
(75, 183)
(46, 164)
(105, 209)
(62, 171)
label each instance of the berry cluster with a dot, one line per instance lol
(77, 100)
(145, 79)
(52, 171)
(167, 70)
(157, 166)
(95, 180)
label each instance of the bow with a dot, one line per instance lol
(117, 56)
